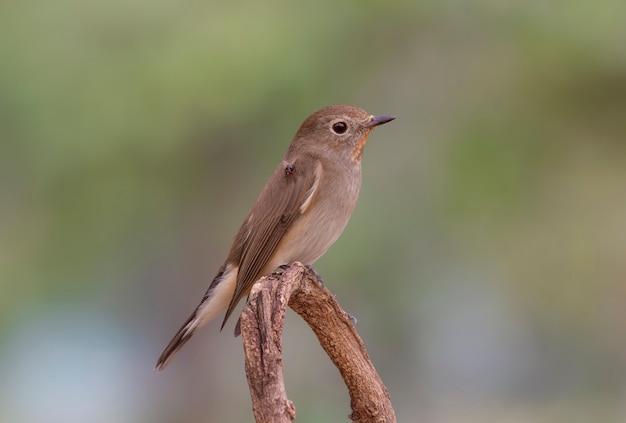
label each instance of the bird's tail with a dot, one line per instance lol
(177, 342)
(214, 302)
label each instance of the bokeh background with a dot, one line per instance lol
(486, 259)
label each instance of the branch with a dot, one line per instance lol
(261, 328)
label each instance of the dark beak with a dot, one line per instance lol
(379, 120)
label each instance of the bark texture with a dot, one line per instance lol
(261, 328)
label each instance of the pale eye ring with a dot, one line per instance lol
(340, 127)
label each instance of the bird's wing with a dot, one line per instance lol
(294, 186)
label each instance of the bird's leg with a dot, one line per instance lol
(352, 319)
(280, 269)
(317, 276)
(319, 279)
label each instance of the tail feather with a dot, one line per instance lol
(214, 302)
(182, 336)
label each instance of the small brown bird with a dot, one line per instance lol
(300, 213)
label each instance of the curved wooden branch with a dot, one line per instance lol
(261, 328)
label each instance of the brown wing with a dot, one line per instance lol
(275, 210)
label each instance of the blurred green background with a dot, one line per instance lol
(485, 261)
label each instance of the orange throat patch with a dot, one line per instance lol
(358, 149)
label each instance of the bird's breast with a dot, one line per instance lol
(314, 231)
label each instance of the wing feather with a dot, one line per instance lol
(274, 212)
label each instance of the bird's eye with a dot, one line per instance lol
(340, 128)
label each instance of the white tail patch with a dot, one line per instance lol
(217, 302)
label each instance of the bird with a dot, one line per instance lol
(299, 214)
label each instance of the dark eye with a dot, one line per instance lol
(340, 128)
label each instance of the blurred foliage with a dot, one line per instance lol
(485, 260)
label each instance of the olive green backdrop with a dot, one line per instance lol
(486, 259)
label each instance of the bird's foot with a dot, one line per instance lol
(280, 270)
(317, 276)
(352, 319)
